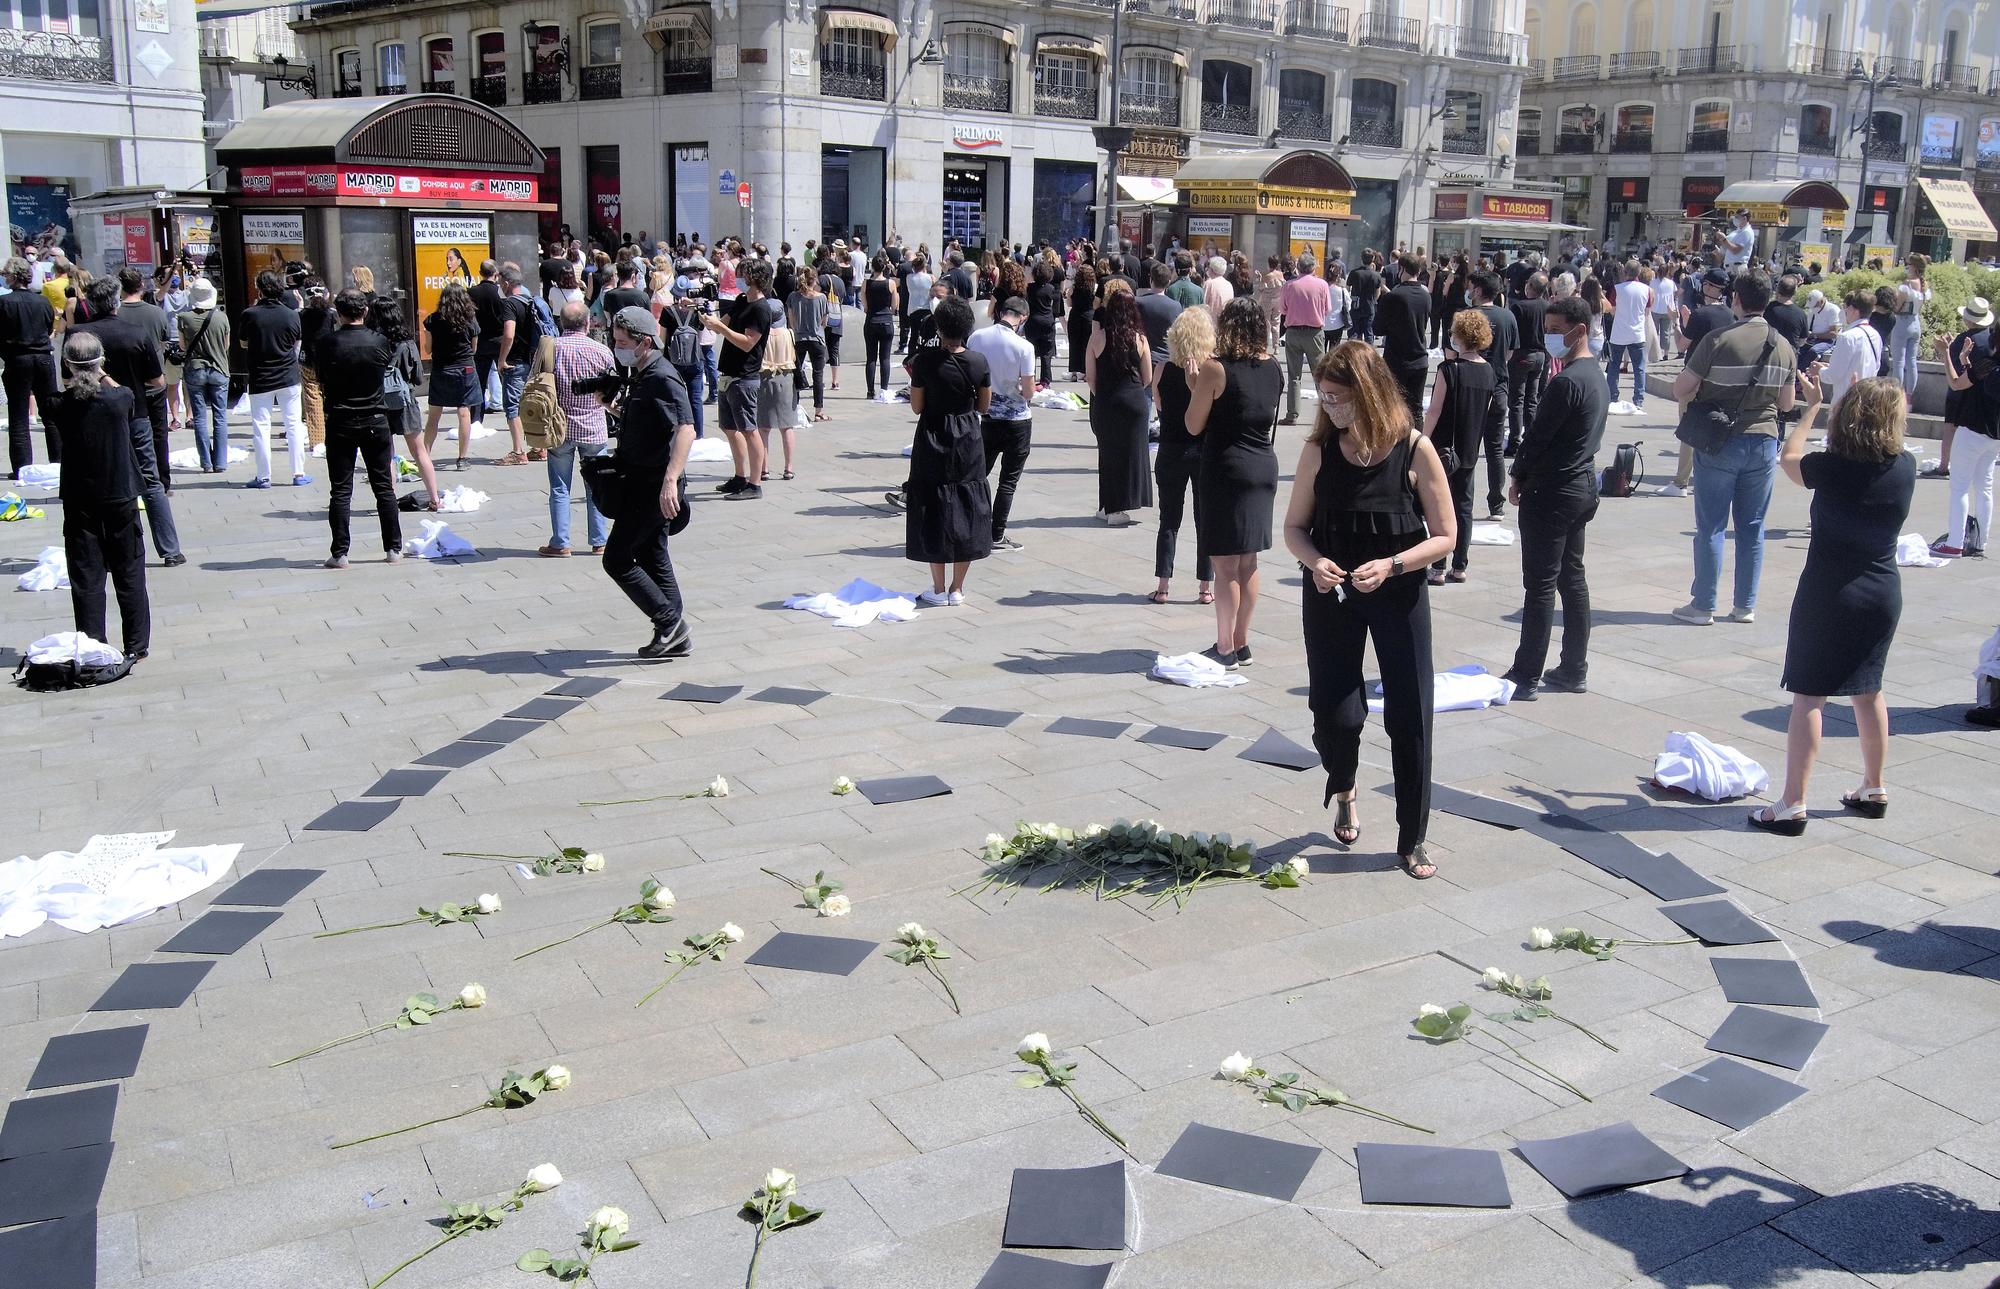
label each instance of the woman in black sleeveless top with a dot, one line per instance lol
(1177, 464)
(1370, 507)
(1233, 410)
(1455, 422)
(878, 328)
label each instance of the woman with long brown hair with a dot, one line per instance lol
(454, 331)
(1233, 410)
(1118, 367)
(1082, 304)
(1370, 507)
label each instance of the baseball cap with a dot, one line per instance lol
(1014, 304)
(637, 321)
(1716, 278)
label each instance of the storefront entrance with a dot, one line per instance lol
(1064, 192)
(1625, 212)
(852, 191)
(975, 201)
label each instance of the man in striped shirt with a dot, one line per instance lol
(577, 357)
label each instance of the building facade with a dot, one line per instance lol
(966, 118)
(96, 96)
(1645, 113)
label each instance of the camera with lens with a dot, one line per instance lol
(606, 386)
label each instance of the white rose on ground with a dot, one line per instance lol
(910, 933)
(732, 933)
(1236, 1066)
(472, 996)
(719, 788)
(1299, 866)
(1494, 977)
(780, 1183)
(489, 903)
(610, 1219)
(556, 1077)
(661, 898)
(543, 1177)
(836, 906)
(1430, 1009)
(1541, 938)
(842, 786)
(1032, 1045)
(995, 839)
(593, 863)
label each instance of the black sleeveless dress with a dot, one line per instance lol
(1118, 420)
(1362, 513)
(1237, 489)
(1468, 388)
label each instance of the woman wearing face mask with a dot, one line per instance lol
(1370, 506)
(1455, 421)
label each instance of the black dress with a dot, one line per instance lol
(1238, 485)
(1081, 309)
(950, 515)
(1850, 595)
(1118, 413)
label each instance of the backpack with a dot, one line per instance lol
(684, 346)
(47, 677)
(1625, 473)
(543, 423)
(395, 390)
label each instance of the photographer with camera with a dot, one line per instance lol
(655, 431)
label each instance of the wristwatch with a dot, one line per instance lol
(1396, 565)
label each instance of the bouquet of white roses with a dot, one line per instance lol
(565, 859)
(1124, 858)
(604, 1233)
(465, 1219)
(418, 1009)
(654, 901)
(699, 947)
(919, 947)
(515, 1091)
(443, 915)
(773, 1208)
(822, 893)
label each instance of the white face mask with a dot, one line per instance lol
(627, 355)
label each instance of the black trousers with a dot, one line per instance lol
(1006, 444)
(814, 352)
(1461, 505)
(1524, 392)
(26, 376)
(1552, 519)
(1494, 440)
(636, 556)
(1175, 474)
(1397, 617)
(1412, 380)
(879, 337)
(101, 537)
(376, 450)
(1334, 335)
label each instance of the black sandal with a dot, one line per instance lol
(1346, 819)
(1416, 859)
(1870, 803)
(1790, 823)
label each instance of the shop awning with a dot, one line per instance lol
(440, 130)
(832, 20)
(1146, 191)
(1958, 208)
(966, 27)
(1525, 225)
(1267, 181)
(1074, 46)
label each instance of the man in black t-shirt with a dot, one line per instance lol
(350, 361)
(1531, 360)
(496, 323)
(1786, 317)
(268, 333)
(655, 432)
(740, 339)
(1364, 288)
(133, 360)
(626, 295)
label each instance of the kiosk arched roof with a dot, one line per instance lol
(437, 130)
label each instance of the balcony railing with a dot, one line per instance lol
(605, 80)
(1163, 110)
(841, 79)
(1993, 81)
(1709, 60)
(1819, 60)
(1955, 78)
(1942, 158)
(53, 56)
(1464, 143)
(1569, 142)
(978, 93)
(1910, 71)
(347, 86)
(1708, 140)
(542, 87)
(393, 87)
(1538, 69)
(1577, 67)
(1244, 15)
(1372, 133)
(1987, 181)
(1886, 150)
(446, 86)
(1228, 118)
(1304, 121)
(1632, 141)
(1818, 145)
(1479, 45)
(691, 74)
(1069, 103)
(1316, 19)
(1387, 31)
(490, 89)
(1633, 66)
(1528, 143)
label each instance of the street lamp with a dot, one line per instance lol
(1113, 138)
(1886, 80)
(305, 79)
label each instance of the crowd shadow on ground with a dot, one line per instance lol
(1837, 719)
(557, 664)
(1916, 949)
(1049, 662)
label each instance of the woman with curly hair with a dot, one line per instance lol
(1370, 507)
(1118, 367)
(1190, 345)
(1233, 410)
(1013, 281)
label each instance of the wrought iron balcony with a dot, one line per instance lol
(1375, 133)
(1304, 120)
(542, 87)
(1244, 15)
(1886, 150)
(1570, 142)
(1818, 145)
(1317, 19)
(1636, 66)
(1479, 45)
(393, 87)
(1069, 103)
(1952, 158)
(1538, 69)
(1987, 181)
(1228, 118)
(1149, 109)
(54, 56)
(1387, 31)
(605, 80)
(1577, 67)
(1708, 141)
(490, 89)
(1818, 60)
(1632, 141)
(978, 93)
(1464, 143)
(1955, 78)
(1993, 81)
(693, 74)
(1709, 60)
(446, 86)
(841, 79)
(1528, 143)
(1910, 71)
(348, 86)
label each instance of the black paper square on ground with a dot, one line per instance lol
(1067, 1208)
(220, 931)
(152, 986)
(61, 1254)
(406, 783)
(1601, 1159)
(456, 756)
(885, 792)
(59, 1121)
(269, 887)
(545, 708)
(1174, 736)
(1775, 982)
(1435, 1175)
(1239, 1161)
(355, 816)
(1088, 728)
(1730, 1092)
(1025, 1271)
(986, 716)
(1719, 922)
(582, 687)
(788, 694)
(1772, 1037)
(61, 1183)
(831, 955)
(89, 1056)
(501, 731)
(687, 692)
(1276, 749)
(1667, 878)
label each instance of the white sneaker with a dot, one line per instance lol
(1670, 490)
(1740, 615)
(1698, 616)
(933, 599)
(955, 598)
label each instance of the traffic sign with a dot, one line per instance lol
(743, 194)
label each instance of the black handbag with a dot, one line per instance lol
(175, 353)
(1706, 424)
(608, 485)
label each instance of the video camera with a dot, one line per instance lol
(607, 386)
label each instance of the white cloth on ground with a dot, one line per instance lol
(1709, 770)
(73, 646)
(461, 500)
(190, 459)
(1060, 400)
(1487, 532)
(50, 573)
(111, 880)
(1194, 671)
(480, 430)
(1913, 551)
(41, 476)
(1462, 689)
(857, 604)
(438, 542)
(707, 449)
(1986, 676)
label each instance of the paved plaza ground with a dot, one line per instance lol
(277, 689)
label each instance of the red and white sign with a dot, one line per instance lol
(743, 195)
(1508, 208)
(401, 185)
(128, 239)
(974, 137)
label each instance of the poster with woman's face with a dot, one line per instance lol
(448, 249)
(271, 241)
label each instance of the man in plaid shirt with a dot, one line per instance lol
(578, 357)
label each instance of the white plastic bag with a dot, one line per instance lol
(438, 542)
(1709, 770)
(1196, 671)
(68, 646)
(1986, 676)
(50, 573)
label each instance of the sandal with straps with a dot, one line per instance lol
(1205, 596)
(1157, 597)
(1420, 858)
(1870, 803)
(1346, 821)
(1786, 821)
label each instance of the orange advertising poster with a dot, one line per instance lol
(270, 241)
(448, 249)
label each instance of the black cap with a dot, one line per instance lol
(1014, 304)
(1716, 278)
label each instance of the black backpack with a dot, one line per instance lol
(47, 677)
(1625, 473)
(683, 345)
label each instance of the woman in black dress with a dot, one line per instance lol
(1082, 307)
(950, 512)
(1370, 507)
(1233, 410)
(1455, 421)
(1850, 595)
(1118, 366)
(453, 331)
(1044, 304)
(1190, 343)
(93, 425)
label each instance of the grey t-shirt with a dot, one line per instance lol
(808, 316)
(149, 318)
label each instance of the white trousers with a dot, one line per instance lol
(1972, 458)
(286, 403)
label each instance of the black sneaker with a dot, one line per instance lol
(669, 642)
(1228, 660)
(736, 484)
(1243, 658)
(1558, 681)
(1525, 690)
(1496, 512)
(748, 492)
(1007, 544)
(174, 560)
(895, 499)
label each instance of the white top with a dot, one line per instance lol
(1336, 305)
(1628, 319)
(1741, 242)
(1665, 294)
(1857, 355)
(1823, 319)
(1009, 358)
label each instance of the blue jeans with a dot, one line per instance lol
(1733, 481)
(1905, 340)
(1613, 362)
(208, 414)
(710, 374)
(691, 377)
(560, 462)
